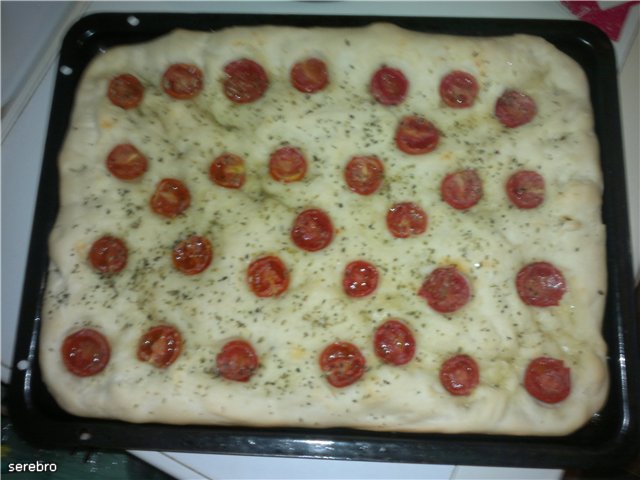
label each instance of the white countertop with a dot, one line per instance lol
(25, 114)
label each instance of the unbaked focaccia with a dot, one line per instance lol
(360, 227)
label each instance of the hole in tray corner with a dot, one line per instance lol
(65, 70)
(133, 20)
(84, 435)
(23, 365)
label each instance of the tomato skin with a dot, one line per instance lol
(364, 174)
(125, 91)
(192, 255)
(389, 86)
(182, 81)
(446, 290)
(458, 89)
(237, 361)
(525, 189)
(108, 255)
(540, 284)
(228, 171)
(245, 81)
(360, 279)
(548, 380)
(462, 189)
(416, 135)
(343, 364)
(309, 75)
(406, 220)
(287, 164)
(394, 343)
(460, 375)
(85, 352)
(514, 109)
(268, 277)
(160, 346)
(312, 230)
(126, 162)
(170, 198)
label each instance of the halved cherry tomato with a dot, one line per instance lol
(85, 352)
(287, 164)
(228, 171)
(541, 284)
(460, 375)
(406, 220)
(515, 108)
(182, 81)
(458, 89)
(343, 364)
(312, 230)
(360, 279)
(170, 198)
(126, 162)
(364, 174)
(108, 254)
(245, 81)
(125, 91)
(446, 290)
(237, 361)
(389, 86)
(461, 189)
(160, 346)
(310, 75)
(416, 135)
(192, 255)
(268, 277)
(526, 189)
(548, 380)
(394, 343)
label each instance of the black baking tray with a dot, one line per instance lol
(610, 438)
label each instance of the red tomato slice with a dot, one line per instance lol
(540, 284)
(462, 189)
(458, 89)
(526, 189)
(126, 162)
(170, 198)
(237, 361)
(312, 230)
(228, 171)
(108, 255)
(192, 255)
(343, 364)
(360, 279)
(310, 75)
(514, 109)
(394, 343)
(125, 91)
(268, 277)
(160, 346)
(548, 380)
(416, 135)
(389, 86)
(182, 81)
(245, 81)
(364, 174)
(460, 375)
(406, 220)
(85, 352)
(287, 164)
(446, 290)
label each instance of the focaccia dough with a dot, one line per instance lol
(489, 242)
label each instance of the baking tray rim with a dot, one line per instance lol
(86, 37)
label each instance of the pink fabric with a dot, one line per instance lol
(609, 20)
